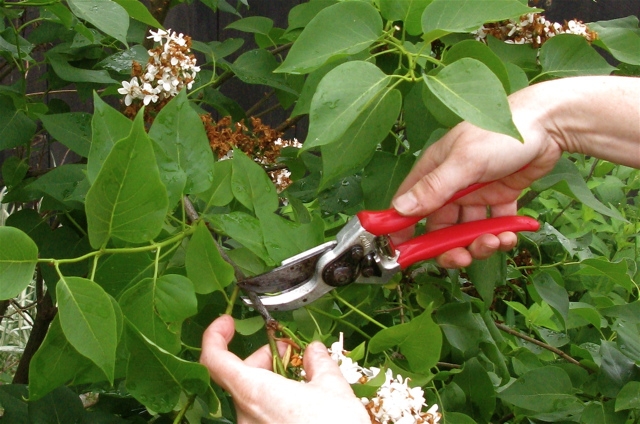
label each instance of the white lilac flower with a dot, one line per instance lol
(395, 402)
(131, 90)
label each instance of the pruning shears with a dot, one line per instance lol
(364, 253)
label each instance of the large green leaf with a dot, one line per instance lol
(475, 382)
(179, 133)
(284, 238)
(253, 24)
(205, 267)
(219, 194)
(127, 201)
(566, 179)
(68, 72)
(16, 129)
(71, 129)
(532, 391)
(463, 329)
(356, 146)
(552, 293)
(61, 406)
(629, 396)
(469, 15)
(616, 370)
(480, 51)
(407, 11)
(157, 307)
(620, 37)
(156, 378)
(342, 96)
(256, 67)
(354, 149)
(341, 29)
(570, 55)
(67, 184)
(115, 273)
(108, 16)
(57, 362)
(475, 94)
(245, 229)
(419, 340)
(18, 256)
(487, 274)
(382, 177)
(88, 320)
(138, 11)
(251, 185)
(107, 127)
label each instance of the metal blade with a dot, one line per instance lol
(293, 271)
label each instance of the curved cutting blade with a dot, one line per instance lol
(293, 271)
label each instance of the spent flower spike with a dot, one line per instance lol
(170, 68)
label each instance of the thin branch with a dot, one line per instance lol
(259, 103)
(558, 352)
(288, 123)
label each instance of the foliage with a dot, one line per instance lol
(140, 242)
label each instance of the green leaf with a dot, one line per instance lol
(14, 170)
(487, 274)
(71, 129)
(355, 147)
(480, 394)
(252, 24)
(107, 127)
(571, 55)
(245, 229)
(620, 37)
(88, 320)
(382, 176)
(552, 293)
(138, 11)
(122, 61)
(67, 184)
(68, 72)
(115, 273)
(532, 392)
(179, 133)
(127, 201)
(407, 11)
(343, 95)
(60, 406)
(205, 267)
(57, 362)
(602, 276)
(628, 397)
(16, 129)
(469, 15)
(284, 238)
(479, 51)
(219, 194)
(339, 30)
(157, 307)
(602, 413)
(256, 67)
(156, 378)
(251, 184)
(616, 370)
(108, 16)
(300, 15)
(18, 256)
(463, 329)
(566, 179)
(480, 100)
(419, 340)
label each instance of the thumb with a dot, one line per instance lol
(433, 189)
(321, 369)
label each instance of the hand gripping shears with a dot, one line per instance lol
(364, 253)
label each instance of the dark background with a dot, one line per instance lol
(202, 24)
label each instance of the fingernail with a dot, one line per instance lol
(406, 203)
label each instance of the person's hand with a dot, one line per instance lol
(261, 396)
(467, 155)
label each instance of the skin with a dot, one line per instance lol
(608, 128)
(597, 116)
(261, 396)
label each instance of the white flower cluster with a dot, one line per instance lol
(532, 28)
(395, 402)
(170, 68)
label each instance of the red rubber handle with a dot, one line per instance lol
(390, 221)
(437, 242)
